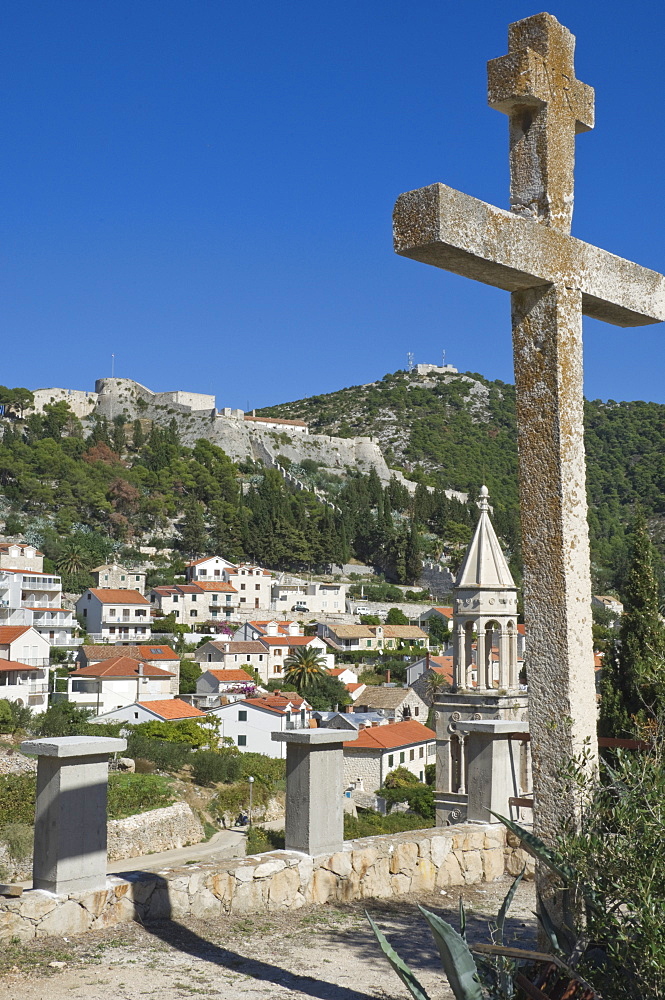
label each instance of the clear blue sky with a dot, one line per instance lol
(205, 188)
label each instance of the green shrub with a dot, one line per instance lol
(260, 840)
(420, 798)
(230, 799)
(271, 770)
(6, 717)
(17, 798)
(401, 777)
(136, 793)
(373, 824)
(211, 766)
(188, 732)
(19, 839)
(166, 756)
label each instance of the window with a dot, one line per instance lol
(136, 715)
(260, 657)
(412, 754)
(242, 741)
(421, 752)
(257, 586)
(112, 612)
(401, 757)
(242, 715)
(391, 759)
(193, 614)
(155, 650)
(193, 597)
(138, 579)
(242, 586)
(122, 578)
(85, 612)
(175, 598)
(242, 600)
(368, 643)
(416, 710)
(214, 598)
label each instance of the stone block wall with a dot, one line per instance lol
(378, 867)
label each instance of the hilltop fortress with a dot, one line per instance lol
(241, 435)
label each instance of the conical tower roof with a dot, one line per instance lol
(484, 564)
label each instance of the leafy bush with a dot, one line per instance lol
(189, 732)
(166, 756)
(211, 766)
(6, 717)
(270, 770)
(231, 799)
(260, 840)
(401, 777)
(420, 798)
(19, 839)
(17, 798)
(373, 824)
(136, 793)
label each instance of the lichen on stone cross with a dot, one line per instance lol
(554, 279)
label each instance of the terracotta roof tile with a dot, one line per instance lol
(171, 709)
(9, 633)
(120, 666)
(107, 595)
(232, 676)
(399, 734)
(94, 654)
(15, 665)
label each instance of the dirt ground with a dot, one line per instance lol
(315, 953)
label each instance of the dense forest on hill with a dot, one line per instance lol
(84, 493)
(82, 497)
(459, 431)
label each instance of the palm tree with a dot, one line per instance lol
(72, 560)
(433, 685)
(304, 666)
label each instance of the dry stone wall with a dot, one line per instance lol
(372, 867)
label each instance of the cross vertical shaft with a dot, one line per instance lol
(535, 85)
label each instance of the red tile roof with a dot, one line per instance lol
(261, 703)
(353, 687)
(281, 700)
(442, 665)
(107, 595)
(448, 612)
(287, 640)
(154, 652)
(521, 629)
(399, 734)
(15, 665)
(120, 666)
(171, 709)
(232, 676)
(216, 586)
(9, 633)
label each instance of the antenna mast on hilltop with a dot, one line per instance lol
(410, 359)
(443, 359)
(113, 366)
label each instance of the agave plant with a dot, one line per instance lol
(497, 972)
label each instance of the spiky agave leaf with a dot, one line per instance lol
(540, 851)
(458, 962)
(462, 919)
(501, 916)
(398, 964)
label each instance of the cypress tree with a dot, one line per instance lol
(633, 684)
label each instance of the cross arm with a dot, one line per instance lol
(443, 227)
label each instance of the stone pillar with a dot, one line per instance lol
(70, 811)
(493, 767)
(481, 661)
(504, 660)
(314, 787)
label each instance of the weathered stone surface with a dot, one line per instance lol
(95, 902)
(363, 859)
(222, 886)
(36, 904)
(440, 849)
(284, 887)
(322, 887)
(340, 863)
(400, 884)
(267, 868)
(472, 867)
(245, 873)
(156, 830)
(249, 897)
(204, 903)
(14, 925)
(403, 858)
(69, 918)
(492, 863)
(424, 876)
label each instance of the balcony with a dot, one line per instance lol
(42, 582)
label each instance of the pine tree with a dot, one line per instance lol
(412, 557)
(138, 437)
(192, 530)
(633, 686)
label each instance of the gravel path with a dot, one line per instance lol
(315, 953)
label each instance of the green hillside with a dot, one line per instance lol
(459, 431)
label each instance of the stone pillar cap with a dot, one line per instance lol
(316, 737)
(73, 746)
(502, 727)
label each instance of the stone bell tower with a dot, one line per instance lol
(486, 684)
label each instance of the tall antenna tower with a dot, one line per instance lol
(411, 361)
(443, 359)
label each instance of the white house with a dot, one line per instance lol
(229, 654)
(249, 723)
(209, 568)
(380, 749)
(30, 597)
(256, 629)
(24, 685)
(221, 600)
(115, 615)
(253, 584)
(24, 644)
(162, 710)
(234, 685)
(153, 655)
(20, 555)
(310, 596)
(393, 702)
(280, 647)
(117, 682)
(358, 637)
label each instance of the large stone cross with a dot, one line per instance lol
(554, 279)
